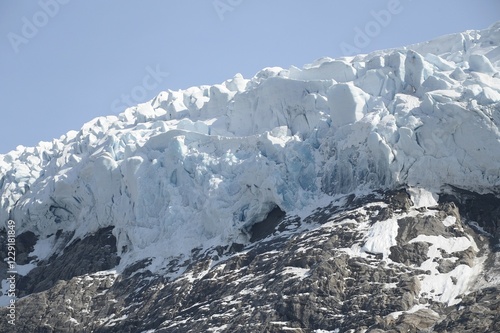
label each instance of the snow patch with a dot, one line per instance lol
(449, 221)
(446, 287)
(422, 197)
(296, 272)
(381, 236)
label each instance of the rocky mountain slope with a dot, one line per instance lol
(353, 195)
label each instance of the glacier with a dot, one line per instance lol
(198, 167)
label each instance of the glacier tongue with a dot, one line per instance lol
(200, 166)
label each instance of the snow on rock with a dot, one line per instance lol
(423, 198)
(449, 221)
(381, 236)
(445, 287)
(200, 166)
(296, 272)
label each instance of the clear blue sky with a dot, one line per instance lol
(63, 65)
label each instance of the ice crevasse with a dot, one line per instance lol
(199, 166)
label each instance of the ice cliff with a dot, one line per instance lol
(197, 167)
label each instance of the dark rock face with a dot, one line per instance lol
(300, 275)
(92, 254)
(24, 245)
(410, 254)
(478, 312)
(481, 211)
(265, 228)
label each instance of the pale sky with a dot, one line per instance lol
(65, 62)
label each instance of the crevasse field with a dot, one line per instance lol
(198, 167)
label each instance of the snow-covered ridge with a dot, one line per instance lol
(196, 167)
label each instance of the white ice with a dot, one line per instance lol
(197, 167)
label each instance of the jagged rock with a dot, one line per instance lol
(410, 254)
(399, 200)
(446, 266)
(418, 321)
(411, 227)
(481, 211)
(92, 254)
(478, 312)
(302, 276)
